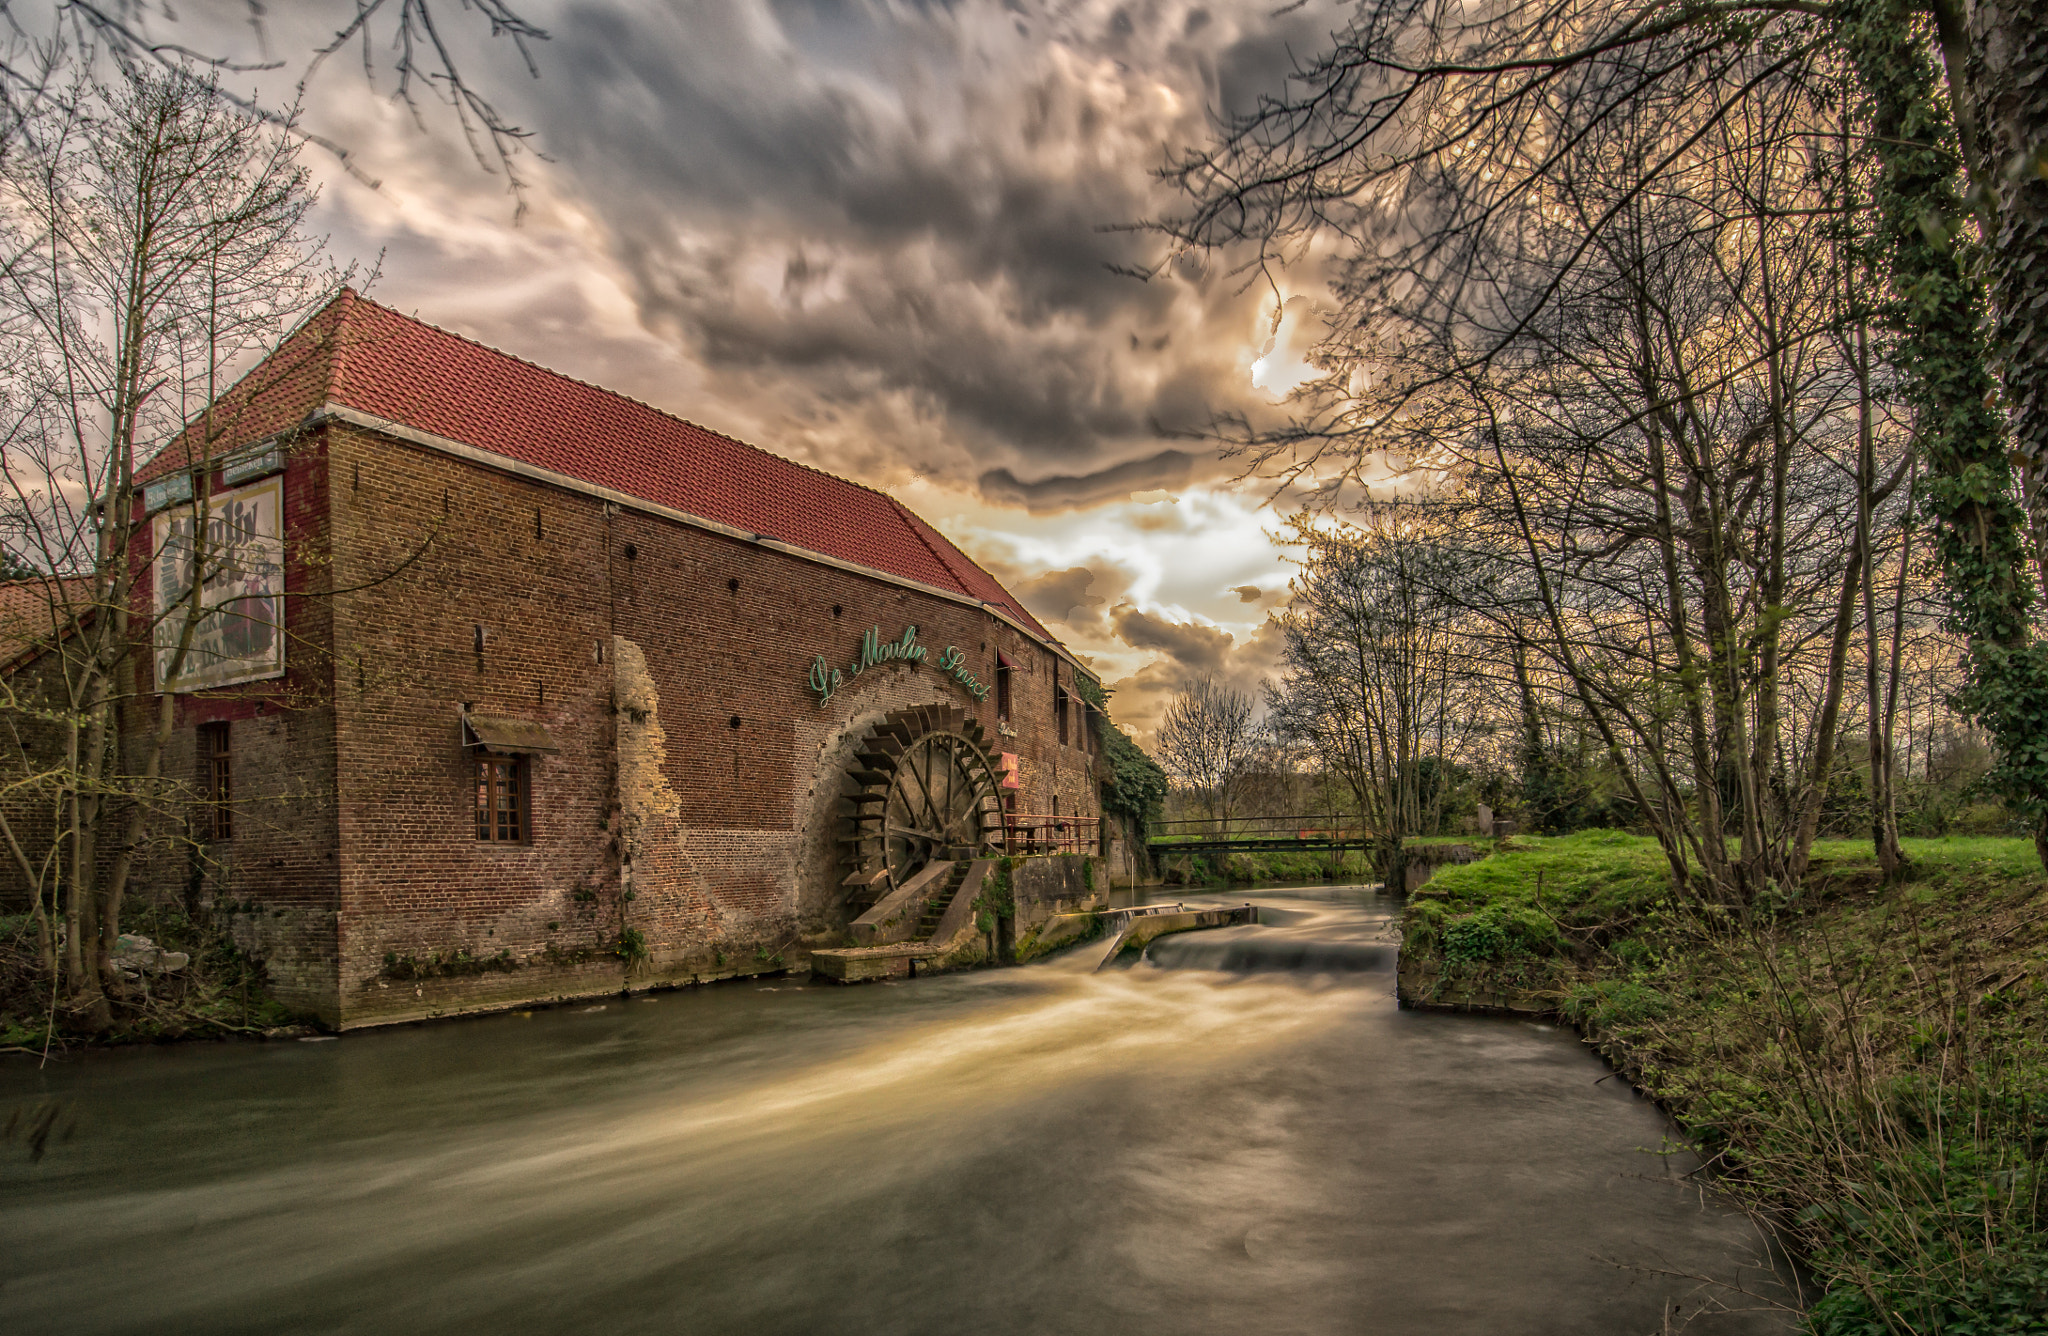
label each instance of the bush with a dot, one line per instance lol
(1475, 938)
(1498, 932)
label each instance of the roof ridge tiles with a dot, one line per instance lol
(365, 301)
(400, 369)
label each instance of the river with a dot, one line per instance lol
(1241, 1133)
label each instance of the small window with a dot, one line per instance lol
(1002, 688)
(217, 779)
(1059, 709)
(501, 799)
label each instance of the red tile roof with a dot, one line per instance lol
(35, 611)
(368, 357)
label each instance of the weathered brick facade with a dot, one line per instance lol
(687, 823)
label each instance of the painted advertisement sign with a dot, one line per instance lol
(239, 563)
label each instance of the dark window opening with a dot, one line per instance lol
(1002, 689)
(1059, 710)
(501, 799)
(219, 777)
(733, 584)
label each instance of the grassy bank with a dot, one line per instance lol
(1207, 869)
(218, 991)
(1865, 1065)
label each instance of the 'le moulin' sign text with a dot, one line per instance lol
(825, 679)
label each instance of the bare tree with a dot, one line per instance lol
(154, 243)
(1378, 685)
(53, 41)
(1207, 737)
(1431, 137)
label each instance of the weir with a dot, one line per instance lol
(1141, 924)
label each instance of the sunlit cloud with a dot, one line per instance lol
(879, 237)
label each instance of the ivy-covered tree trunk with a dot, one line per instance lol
(2006, 89)
(1938, 322)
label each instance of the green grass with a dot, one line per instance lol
(1249, 869)
(1548, 893)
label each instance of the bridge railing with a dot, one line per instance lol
(1050, 833)
(1305, 826)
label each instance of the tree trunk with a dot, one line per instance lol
(2004, 89)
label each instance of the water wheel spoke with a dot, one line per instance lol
(948, 818)
(931, 809)
(940, 793)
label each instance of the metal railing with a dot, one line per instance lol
(1047, 833)
(1313, 826)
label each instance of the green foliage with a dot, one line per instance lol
(1137, 785)
(1936, 321)
(1586, 879)
(2006, 1302)
(631, 947)
(1568, 788)
(455, 964)
(1285, 865)
(222, 991)
(997, 899)
(1603, 1005)
(1498, 932)
(1475, 937)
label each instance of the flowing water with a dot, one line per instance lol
(1241, 1133)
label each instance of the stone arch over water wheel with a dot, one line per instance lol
(928, 793)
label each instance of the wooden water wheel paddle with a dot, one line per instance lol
(927, 793)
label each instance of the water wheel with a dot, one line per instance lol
(927, 793)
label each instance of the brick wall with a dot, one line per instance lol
(690, 813)
(694, 797)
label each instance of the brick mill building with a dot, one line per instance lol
(563, 691)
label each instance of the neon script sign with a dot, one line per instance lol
(825, 679)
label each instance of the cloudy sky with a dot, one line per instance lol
(876, 236)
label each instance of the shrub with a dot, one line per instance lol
(1475, 938)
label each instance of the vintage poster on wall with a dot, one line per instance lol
(238, 634)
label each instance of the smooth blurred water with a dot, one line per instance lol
(1241, 1133)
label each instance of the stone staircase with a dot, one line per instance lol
(893, 943)
(935, 908)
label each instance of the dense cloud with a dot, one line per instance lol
(1068, 596)
(1169, 470)
(879, 236)
(897, 219)
(1195, 648)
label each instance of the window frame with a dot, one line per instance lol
(487, 781)
(217, 775)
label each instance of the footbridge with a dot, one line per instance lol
(1257, 834)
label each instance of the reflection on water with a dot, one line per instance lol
(1241, 1132)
